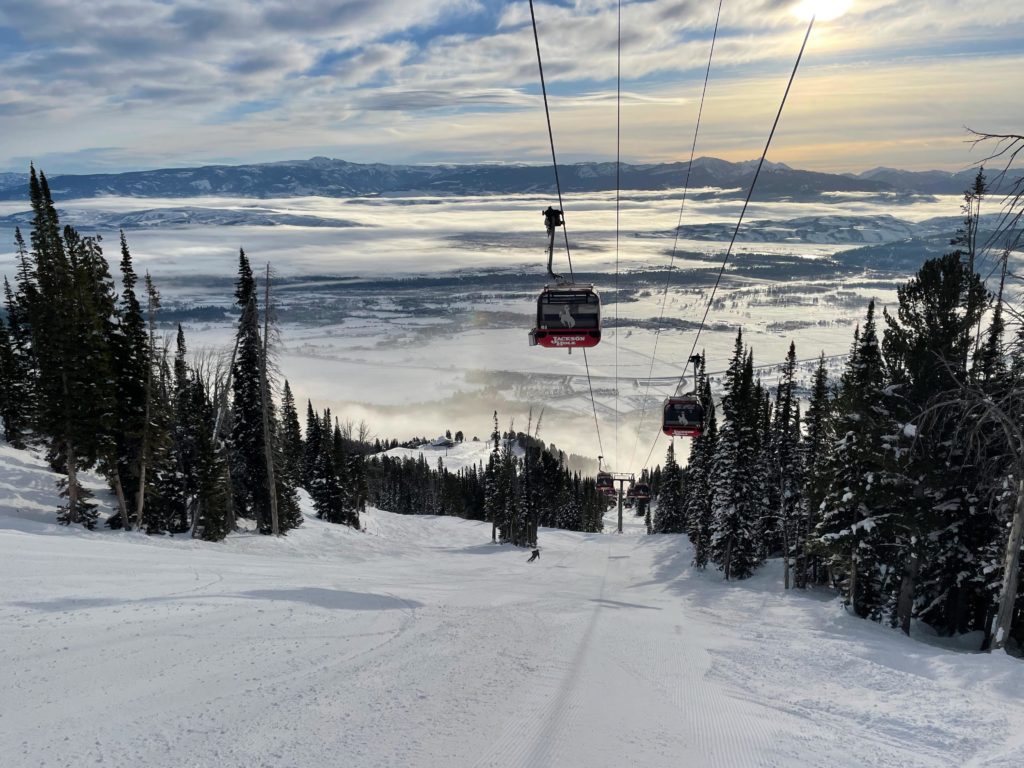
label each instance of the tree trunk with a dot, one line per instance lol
(784, 518)
(905, 603)
(853, 580)
(122, 505)
(1011, 567)
(268, 443)
(72, 462)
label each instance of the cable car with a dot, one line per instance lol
(568, 317)
(605, 484)
(641, 491)
(683, 416)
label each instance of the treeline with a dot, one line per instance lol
(523, 485)
(185, 447)
(902, 486)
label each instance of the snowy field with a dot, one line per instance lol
(419, 643)
(412, 312)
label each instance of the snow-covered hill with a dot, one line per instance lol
(454, 457)
(419, 643)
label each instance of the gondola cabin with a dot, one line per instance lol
(683, 416)
(605, 484)
(568, 316)
(641, 491)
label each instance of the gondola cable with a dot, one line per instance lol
(675, 241)
(618, 192)
(743, 211)
(561, 206)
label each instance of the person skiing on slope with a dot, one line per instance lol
(535, 555)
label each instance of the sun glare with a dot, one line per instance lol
(822, 10)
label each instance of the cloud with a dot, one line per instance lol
(180, 80)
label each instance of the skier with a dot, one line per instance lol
(535, 555)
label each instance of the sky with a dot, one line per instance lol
(115, 85)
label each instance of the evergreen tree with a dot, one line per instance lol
(927, 345)
(787, 468)
(209, 495)
(245, 286)
(859, 511)
(311, 446)
(291, 436)
(815, 457)
(132, 361)
(669, 515)
(249, 462)
(737, 495)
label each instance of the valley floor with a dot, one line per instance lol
(419, 643)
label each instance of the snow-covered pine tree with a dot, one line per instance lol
(291, 436)
(210, 494)
(9, 411)
(669, 514)
(769, 534)
(248, 456)
(22, 303)
(860, 509)
(311, 445)
(166, 501)
(814, 459)
(325, 489)
(699, 521)
(787, 470)
(737, 494)
(132, 358)
(927, 345)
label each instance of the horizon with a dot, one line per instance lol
(184, 165)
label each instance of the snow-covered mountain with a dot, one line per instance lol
(339, 178)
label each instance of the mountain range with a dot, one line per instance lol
(328, 177)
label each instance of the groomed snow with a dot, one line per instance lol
(419, 643)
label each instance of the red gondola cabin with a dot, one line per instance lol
(568, 316)
(683, 416)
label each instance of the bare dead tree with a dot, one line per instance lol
(1006, 149)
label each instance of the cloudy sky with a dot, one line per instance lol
(110, 85)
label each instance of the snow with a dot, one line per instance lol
(420, 643)
(455, 457)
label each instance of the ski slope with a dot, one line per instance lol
(420, 643)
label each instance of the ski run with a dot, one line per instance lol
(420, 643)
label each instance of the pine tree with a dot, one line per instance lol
(209, 496)
(22, 304)
(815, 457)
(132, 358)
(10, 411)
(291, 436)
(787, 468)
(927, 346)
(311, 446)
(669, 515)
(249, 470)
(737, 498)
(859, 511)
